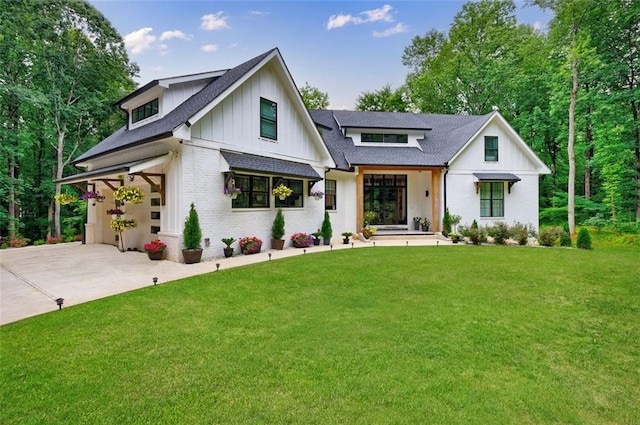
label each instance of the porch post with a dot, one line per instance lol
(436, 199)
(360, 199)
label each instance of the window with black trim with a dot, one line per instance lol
(384, 138)
(268, 119)
(254, 192)
(330, 188)
(295, 199)
(490, 148)
(492, 199)
(147, 110)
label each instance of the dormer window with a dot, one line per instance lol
(147, 110)
(384, 138)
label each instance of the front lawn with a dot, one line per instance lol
(472, 335)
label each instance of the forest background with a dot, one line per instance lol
(570, 91)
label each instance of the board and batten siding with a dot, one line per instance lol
(234, 124)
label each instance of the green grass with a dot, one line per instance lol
(473, 335)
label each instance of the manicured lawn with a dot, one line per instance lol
(473, 335)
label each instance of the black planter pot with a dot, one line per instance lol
(316, 241)
(326, 241)
(228, 252)
(192, 256)
(345, 241)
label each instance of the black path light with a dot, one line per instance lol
(269, 256)
(217, 266)
(155, 281)
(59, 302)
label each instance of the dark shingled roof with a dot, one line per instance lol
(501, 177)
(165, 126)
(444, 136)
(246, 162)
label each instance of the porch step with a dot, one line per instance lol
(404, 234)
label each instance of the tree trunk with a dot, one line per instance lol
(571, 184)
(588, 153)
(59, 171)
(636, 136)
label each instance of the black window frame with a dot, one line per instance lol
(384, 138)
(269, 120)
(253, 195)
(330, 194)
(494, 201)
(296, 199)
(145, 111)
(491, 151)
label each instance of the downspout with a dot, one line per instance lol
(444, 189)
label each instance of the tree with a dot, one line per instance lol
(314, 98)
(74, 66)
(385, 99)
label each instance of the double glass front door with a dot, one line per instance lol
(386, 195)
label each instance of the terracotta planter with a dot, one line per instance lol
(192, 256)
(155, 255)
(277, 244)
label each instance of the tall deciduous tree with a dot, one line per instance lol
(386, 99)
(314, 98)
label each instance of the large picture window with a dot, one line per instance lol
(255, 192)
(147, 110)
(330, 194)
(492, 199)
(295, 199)
(490, 148)
(268, 119)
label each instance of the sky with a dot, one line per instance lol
(343, 48)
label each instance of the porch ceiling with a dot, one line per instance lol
(126, 167)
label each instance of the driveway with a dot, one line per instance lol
(33, 277)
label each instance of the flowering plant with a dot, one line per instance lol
(282, 190)
(90, 195)
(115, 211)
(250, 245)
(64, 199)
(232, 190)
(301, 240)
(120, 224)
(155, 246)
(317, 194)
(367, 231)
(130, 194)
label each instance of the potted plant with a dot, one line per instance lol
(228, 250)
(192, 236)
(301, 240)
(425, 223)
(155, 249)
(277, 231)
(316, 237)
(282, 192)
(250, 245)
(416, 223)
(326, 230)
(346, 236)
(455, 237)
(120, 225)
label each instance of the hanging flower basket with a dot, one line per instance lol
(65, 199)
(232, 192)
(317, 195)
(120, 224)
(129, 194)
(282, 192)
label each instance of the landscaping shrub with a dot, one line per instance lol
(18, 242)
(446, 223)
(584, 239)
(39, 242)
(549, 235)
(475, 234)
(499, 232)
(520, 232)
(54, 239)
(565, 239)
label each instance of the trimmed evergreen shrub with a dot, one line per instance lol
(277, 229)
(326, 230)
(584, 239)
(446, 223)
(192, 233)
(565, 239)
(475, 234)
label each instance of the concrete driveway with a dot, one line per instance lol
(33, 277)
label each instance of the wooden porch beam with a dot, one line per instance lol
(108, 183)
(160, 188)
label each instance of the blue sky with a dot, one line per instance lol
(343, 48)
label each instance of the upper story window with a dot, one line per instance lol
(147, 110)
(384, 138)
(490, 148)
(268, 119)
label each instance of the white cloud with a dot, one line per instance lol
(374, 15)
(209, 48)
(400, 28)
(158, 68)
(139, 41)
(259, 13)
(163, 49)
(233, 45)
(214, 21)
(167, 35)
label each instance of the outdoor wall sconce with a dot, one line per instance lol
(155, 281)
(426, 193)
(59, 302)
(131, 177)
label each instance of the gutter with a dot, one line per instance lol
(446, 171)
